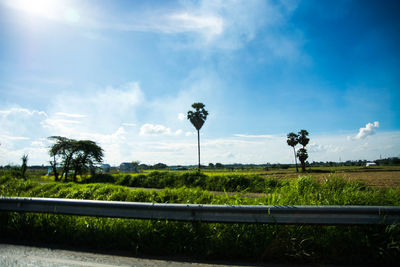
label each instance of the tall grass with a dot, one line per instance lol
(158, 179)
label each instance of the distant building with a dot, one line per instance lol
(369, 164)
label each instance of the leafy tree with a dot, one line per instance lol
(79, 155)
(160, 166)
(86, 155)
(64, 148)
(219, 165)
(24, 166)
(292, 140)
(197, 118)
(144, 166)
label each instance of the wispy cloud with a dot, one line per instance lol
(13, 138)
(129, 124)
(207, 23)
(21, 111)
(313, 147)
(99, 109)
(254, 135)
(70, 115)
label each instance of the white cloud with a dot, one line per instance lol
(181, 116)
(154, 129)
(17, 122)
(369, 129)
(13, 138)
(149, 129)
(22, 111)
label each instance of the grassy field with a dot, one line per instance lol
(258, 243)
(385, 176)
(377, 176)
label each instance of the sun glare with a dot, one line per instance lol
(44, 8)
(50, 9)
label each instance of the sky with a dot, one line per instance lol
(125, 73)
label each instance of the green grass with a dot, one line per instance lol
(214, 182)
(259, 243)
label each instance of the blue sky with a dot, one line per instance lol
(125, 73)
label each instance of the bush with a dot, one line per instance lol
(100, 178)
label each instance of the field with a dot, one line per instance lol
(387, 176)
(250, 242)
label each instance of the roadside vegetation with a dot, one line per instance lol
(258, 243)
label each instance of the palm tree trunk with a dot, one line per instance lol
(198, 145)
(295, 159)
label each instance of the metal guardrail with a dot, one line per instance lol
(313, 215)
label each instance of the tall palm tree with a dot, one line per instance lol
(302, 153)
(197, 118)
(24, 166)
(292, 140)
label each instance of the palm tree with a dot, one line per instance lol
(24, 166)
(302, 153)
(302, 138)
(292, 140)
(197, 118)
(303, 156)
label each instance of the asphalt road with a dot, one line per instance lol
(19, 255)
(23, 255)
